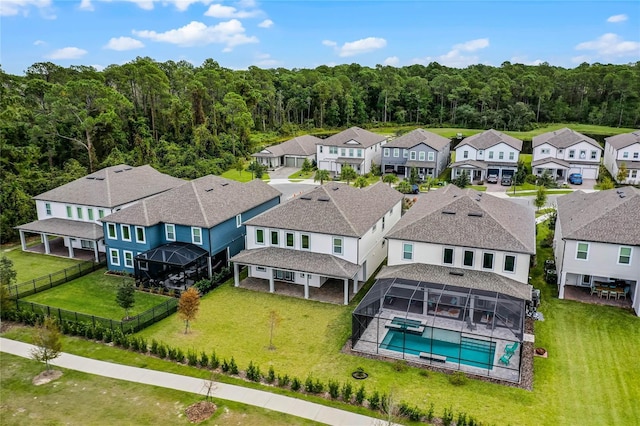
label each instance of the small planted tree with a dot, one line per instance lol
(462, 181)
(188, 306)
(361, 182)
(404, 187)
(7, 278)
(46, 339)
(347, 174)
(541, 197)
(414, 177)
(306, 165)
(239, 165)
(321, 175)
(390, 179)
(126, 296)
(622, 173)
(274, 320)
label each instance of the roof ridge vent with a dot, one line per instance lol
(99, 178)
(335, 188)
(622, 195)
(208, 190)
(323, 198)
(305, 197)
(224, 184)
(475, 214)
(91, 177)
(448, 212)
(457, 273)
(118, 171)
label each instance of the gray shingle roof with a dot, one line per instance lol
(335, 209)
(473, 163)
(364, 138)
(418, 136)
(490, 138)
(65, 228)
(203, 202)
(469, 278)
(467, 218)
(112, 187)
(623, 140)
(301, 146)
(601, 216)
(630, 165)
(298, 260)
(550, 160)
(563, 138)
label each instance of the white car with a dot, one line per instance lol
(492, 179)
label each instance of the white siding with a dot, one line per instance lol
(472, 153)
(373, 248)
(500, 148)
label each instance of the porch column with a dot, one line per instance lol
(236, 273)
(23, 240)
(272, 284)
(346, 291)
(210, 267)
(70, 247)
(95, 251)
(355, 286)
(563, 280)
(306, 287)
(45, 241)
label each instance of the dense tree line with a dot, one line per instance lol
(58, 123)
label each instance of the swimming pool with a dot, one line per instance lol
(455, 347)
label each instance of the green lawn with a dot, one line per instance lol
(533, 193)
(243, 176)
(80, 398)
(94, 294)
(525, 158)
(299, 175)
(30, 265)
(480, 188)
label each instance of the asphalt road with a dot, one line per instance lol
(291, 188)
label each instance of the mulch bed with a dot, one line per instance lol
(200, 411)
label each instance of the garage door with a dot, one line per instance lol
(589, 173)
(574, 170)
(508, 173)
(493, 172)
(290, 161)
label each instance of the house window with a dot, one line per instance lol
(582, 251)
(143, 265)
(421, 156)
(86, 244)
(290, 239)
(125, 230)
(305, 241)
(487, 260)
(111, 231)
(387, 152)
(396, 152)
(320, 148)
(140, 235)
(359, 152)
(170, 231)
(625, 155)
(114, 257)
(490, 155)
(274, 238)
(545, 151)
(447, 257)
(468, 258)
(100, 214)
(333, 150)
(407, 251)
(501, 155)
(337, 245)
(196, 235)
(90, 213)
(594, 155)
(47, 207)
(633, 174)
(465, 154)
(512, 155)
(635, 155)
(383, 222)
(343, 152)
(583, 154)
(128, 258)
(412, 155)
(405, 153)
(509, 263)
(572, 153)
(431, 156)
(259, 236)
(79, 212)
(238, 221)
(350, 152)
(624, 257)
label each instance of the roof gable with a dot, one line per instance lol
(489, 138)
(354, 134)
(563, 138)
(417, 137)
(624, 140)
(300, 146)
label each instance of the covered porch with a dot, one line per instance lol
(557, 168)
(476, 170)
(624, 293)
(356, 163)
(425, 169)
(175, 266)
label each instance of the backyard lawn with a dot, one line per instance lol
(243, 176)
(94, 294)
(34, 265)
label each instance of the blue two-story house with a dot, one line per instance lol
(426, 151)
(185, 233)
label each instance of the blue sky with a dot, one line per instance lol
(306, 34)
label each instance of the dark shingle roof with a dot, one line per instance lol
(563, 138)
(300, 146)
(203, 202)
(65, 228)
(364, 138)
(112, 187)
(490, 138)
(623, 140)
(335, 208)
(602, 216)
(418, 136)
(464, 217)
(550, 160)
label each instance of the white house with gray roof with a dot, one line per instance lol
(597, 241)
(424, 150)
(487, 153)
(623, 149)
(335, 231)
(291, 153)
(355, 147)
(565, 151)
(74, 211)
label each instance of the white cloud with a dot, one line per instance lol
(86, 5)
(392, 61)
(357, 47)
(611, 45)
(225, 12)
(39, 43)
(329, 43)
(617, 18)
(265, 60)
(98, 67)
(246, 4)
(267, 23)
(525, 61)
(17, 7)
(230, 33)
(472, 45)
(580, 59)
(455, 57)
(124, 43)
(67, 53)
(180, 5)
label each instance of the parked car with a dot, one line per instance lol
(492, 179)
(506, 181)
(575, 178)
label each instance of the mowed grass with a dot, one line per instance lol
(242, 176)
(94, 294)
(80, 398)
(29, 266)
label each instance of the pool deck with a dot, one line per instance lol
(373, 336)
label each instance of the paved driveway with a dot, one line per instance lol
(282, 172)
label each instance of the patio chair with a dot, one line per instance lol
(470, 324)
(625, 292)
(511, 349)
(604, 293)
(506, 358)
(594, 290)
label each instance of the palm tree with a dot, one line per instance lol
(390, 179)
(321, 175)
(348, 174)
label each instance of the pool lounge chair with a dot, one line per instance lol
(511, 349)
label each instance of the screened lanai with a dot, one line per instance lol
(454, 326)
(173, 265)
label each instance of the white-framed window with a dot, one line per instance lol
(305, 241)
(512, 155)
(274, 238)
(636, 155)
(290, 239)
(625, 154)
(487, 260)
(465, 154)
(431, 156)
(128, 258)
(501, 155)
(69, 212)
(114, 257)
(111, 231)
(582, 251)
(490, 155)
(259, 236)
(447, 256)
(387, 152)
(196, 235)
(343, 152)
(407, 251)
(351, 152)
(140, 235)
(125, 231)
(383, 222)
(100, 213)
(79, 212)
(545, 151)
(396, 152)
(261, 269)
(572, 153)
(624, 256)
(412, 156)
(86, 244)
(405, 153)
(633, 174)
(583, 154)
(337, 245)
(47, 207)
(90, 213)
(421, 156)
(238, 220)
(359, 153)
(509, 263)
(170, 231)
(594, 155)
(467, 259)
(333, 150)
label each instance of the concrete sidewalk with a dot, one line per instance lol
(270, 401)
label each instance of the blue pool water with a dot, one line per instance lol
(468, 351)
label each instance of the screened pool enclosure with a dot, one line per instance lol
(470, 329)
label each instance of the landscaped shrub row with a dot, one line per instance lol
(206, 285)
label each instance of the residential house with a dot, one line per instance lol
(563, 152)
(487, 153)
(356, 147)
(334, 232)
(202, 219)
(291, 153)
(623, 149)
(74, 211)
(597, 241)
(426, 151)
